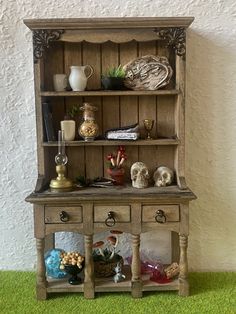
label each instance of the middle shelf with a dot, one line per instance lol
(161, 92)
(165, 141)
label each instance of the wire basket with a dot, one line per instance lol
(107, 268)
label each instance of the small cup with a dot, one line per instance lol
(60, 82)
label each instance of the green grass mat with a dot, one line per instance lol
(210, 293)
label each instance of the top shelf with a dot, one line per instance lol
(110, 93)
(109, 23)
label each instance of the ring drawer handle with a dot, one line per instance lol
(110, 221)
(160, 216)
(64, 217)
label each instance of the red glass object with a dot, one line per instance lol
(117, 174)
(156, 270)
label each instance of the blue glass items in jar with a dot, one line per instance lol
(52, 263)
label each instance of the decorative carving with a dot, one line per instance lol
(147, 73)
(41, 40)
(176, 38)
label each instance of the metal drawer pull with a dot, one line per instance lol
(110, 221)
(64, 217)
(160, 216)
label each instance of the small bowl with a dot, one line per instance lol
(74, 270)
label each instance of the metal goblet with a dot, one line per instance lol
(148, 125)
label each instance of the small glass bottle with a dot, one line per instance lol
(89, 128)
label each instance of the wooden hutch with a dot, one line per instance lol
(101, 43)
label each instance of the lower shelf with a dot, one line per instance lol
(108, 285)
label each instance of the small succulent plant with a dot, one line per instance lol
(72, 112)
(115, 72)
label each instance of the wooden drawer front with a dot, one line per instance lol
(121, 213)
(62, 215)
(149, 212)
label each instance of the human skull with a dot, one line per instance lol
(139, 175)
(163, 176)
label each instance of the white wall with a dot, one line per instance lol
(210, 113)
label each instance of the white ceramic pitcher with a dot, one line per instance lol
(78, 78)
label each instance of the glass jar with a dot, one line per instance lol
(89, 128)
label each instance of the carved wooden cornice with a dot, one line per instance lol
(175, 37)
(42, 39)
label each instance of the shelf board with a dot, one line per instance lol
(164, 141)
(123, 194)
(108, 285)
(62, 285)
(110, 93)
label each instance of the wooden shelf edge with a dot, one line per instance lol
(62, 285)
(110, 93)
(152, 286)
(108, 285)
(108, 23)
(116, 143)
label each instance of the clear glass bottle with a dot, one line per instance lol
(89, 127)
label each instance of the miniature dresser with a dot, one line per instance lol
(60, 43)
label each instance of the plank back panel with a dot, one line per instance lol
(73, 56)
(112, 111)
(76, 162)
(165, 116)
(110, 105)
(129, 104)
(53, 64)
(148, 110)
(110, 58)
(91, 55)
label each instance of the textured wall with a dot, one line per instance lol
(210, 113)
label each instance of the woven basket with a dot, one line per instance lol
(107, 269)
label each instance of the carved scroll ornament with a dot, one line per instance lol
(176, 38)
(42, 39)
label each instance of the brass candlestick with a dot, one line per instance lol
(61, 183)
(148, 125)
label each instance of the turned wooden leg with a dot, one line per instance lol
(183, 264)
(41, 288)
(49, 242)
(136, 267)
(88, 271)
(174, 247)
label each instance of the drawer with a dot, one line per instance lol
(120, 213)
(65, 214)
(150, 213)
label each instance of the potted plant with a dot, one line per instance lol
(115, 169)
(105, 255)
(114, 78)
(68, 124)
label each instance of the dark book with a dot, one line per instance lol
(48, 122)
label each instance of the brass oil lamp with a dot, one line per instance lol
(61, 183)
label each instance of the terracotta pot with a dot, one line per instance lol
(117, 174)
